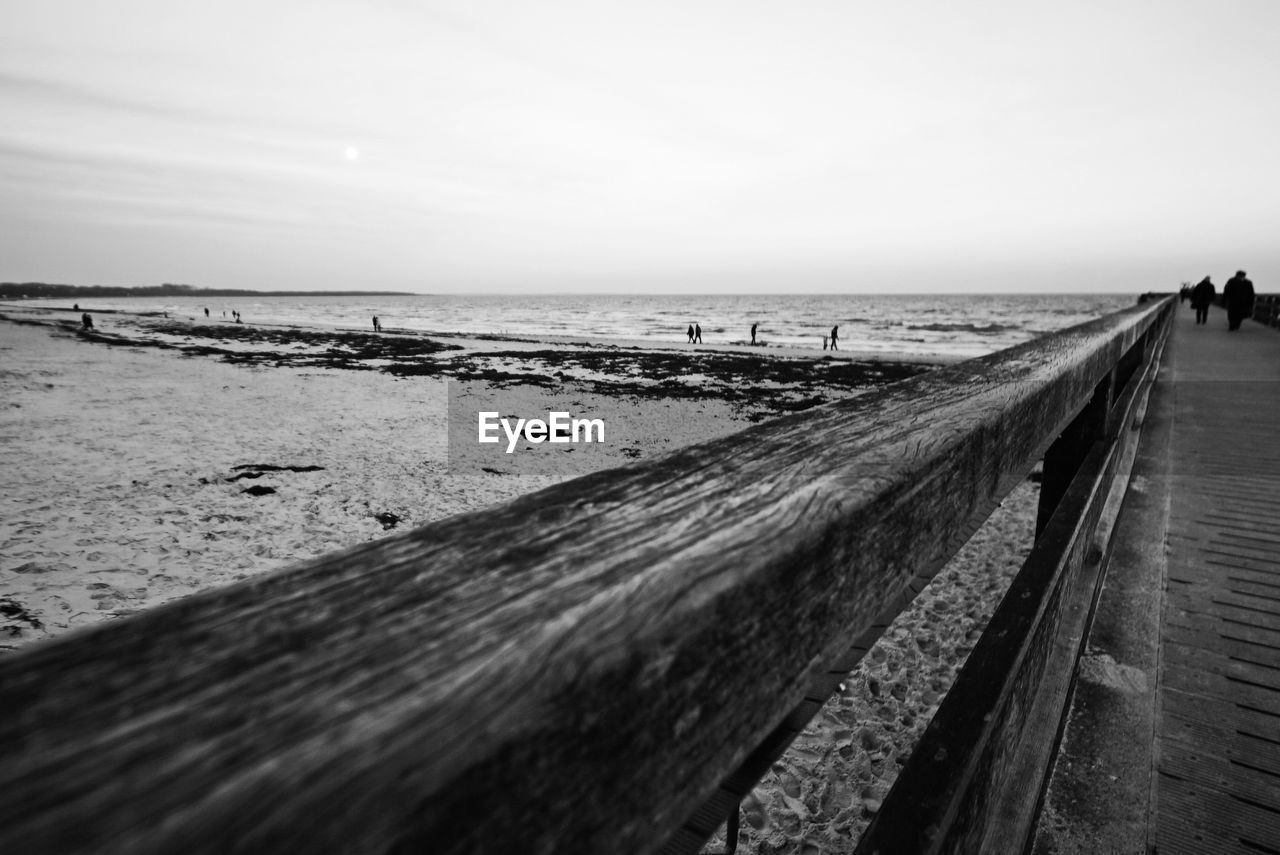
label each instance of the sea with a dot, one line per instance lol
(950, 326)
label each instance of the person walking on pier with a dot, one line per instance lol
(1237, 296)
(1201, 297)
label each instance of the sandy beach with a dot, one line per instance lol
(155, 457)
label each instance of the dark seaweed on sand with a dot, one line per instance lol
(349, 350)
(756, 383)
(758, 386)
(13, 610)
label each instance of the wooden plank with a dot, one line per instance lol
(574, 671)
(1245, 547)
(1219, 712)
(1252, 683)
(1185, 677)
(1214, 474)
(1197, 821)
(1233, 745)
(1100, 794)
(1230, 602)
(1251, 580)
(1227, 645)
(962, 753)
(1226, 558)
(972, 782)
(1242, 629)
(1254, 519)
(1236, 530)
(1017, 801)
(1214, 774)
(708, 818)
(1262, 595)
(1227, 608)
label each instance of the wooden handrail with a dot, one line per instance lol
(974, 780)
(571, 672)
(1266, 309)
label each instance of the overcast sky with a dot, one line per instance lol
(664, 145)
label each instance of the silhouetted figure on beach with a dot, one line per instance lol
(377, 327)
(76, 307)
(697, 333)
(1237, 296)
(1201, 298)
(206, 312)
(753, 334)
(690, 333)
(86, 322)
(824, 342)
(835, 337)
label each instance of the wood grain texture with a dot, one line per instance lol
(974, 780)
(574, 671)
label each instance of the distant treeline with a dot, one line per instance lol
(45, 291)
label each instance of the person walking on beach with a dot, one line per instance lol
(86, 322)
(377, 327)
(697, 333)
(1201, 298)
(835, 337)
(690, 333)
(753, 335)
(1237, 296)
(206, 311)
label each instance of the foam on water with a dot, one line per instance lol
(947, 325)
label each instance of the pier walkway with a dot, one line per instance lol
(1184, 657)
(1219, 703)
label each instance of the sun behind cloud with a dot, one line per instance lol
(352, 153)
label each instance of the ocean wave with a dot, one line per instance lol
(952, 325)
(987, 329)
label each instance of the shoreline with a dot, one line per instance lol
(732, 346)
(154, 458)
(763, 382)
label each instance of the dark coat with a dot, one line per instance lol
(1237, 296)
(1202, 295)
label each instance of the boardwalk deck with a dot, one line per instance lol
(1207, 499)
(1219, 722)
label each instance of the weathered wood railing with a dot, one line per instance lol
(975, 781)
(1266, 310)
(576, 671)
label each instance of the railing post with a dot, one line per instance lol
(1064, 456)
